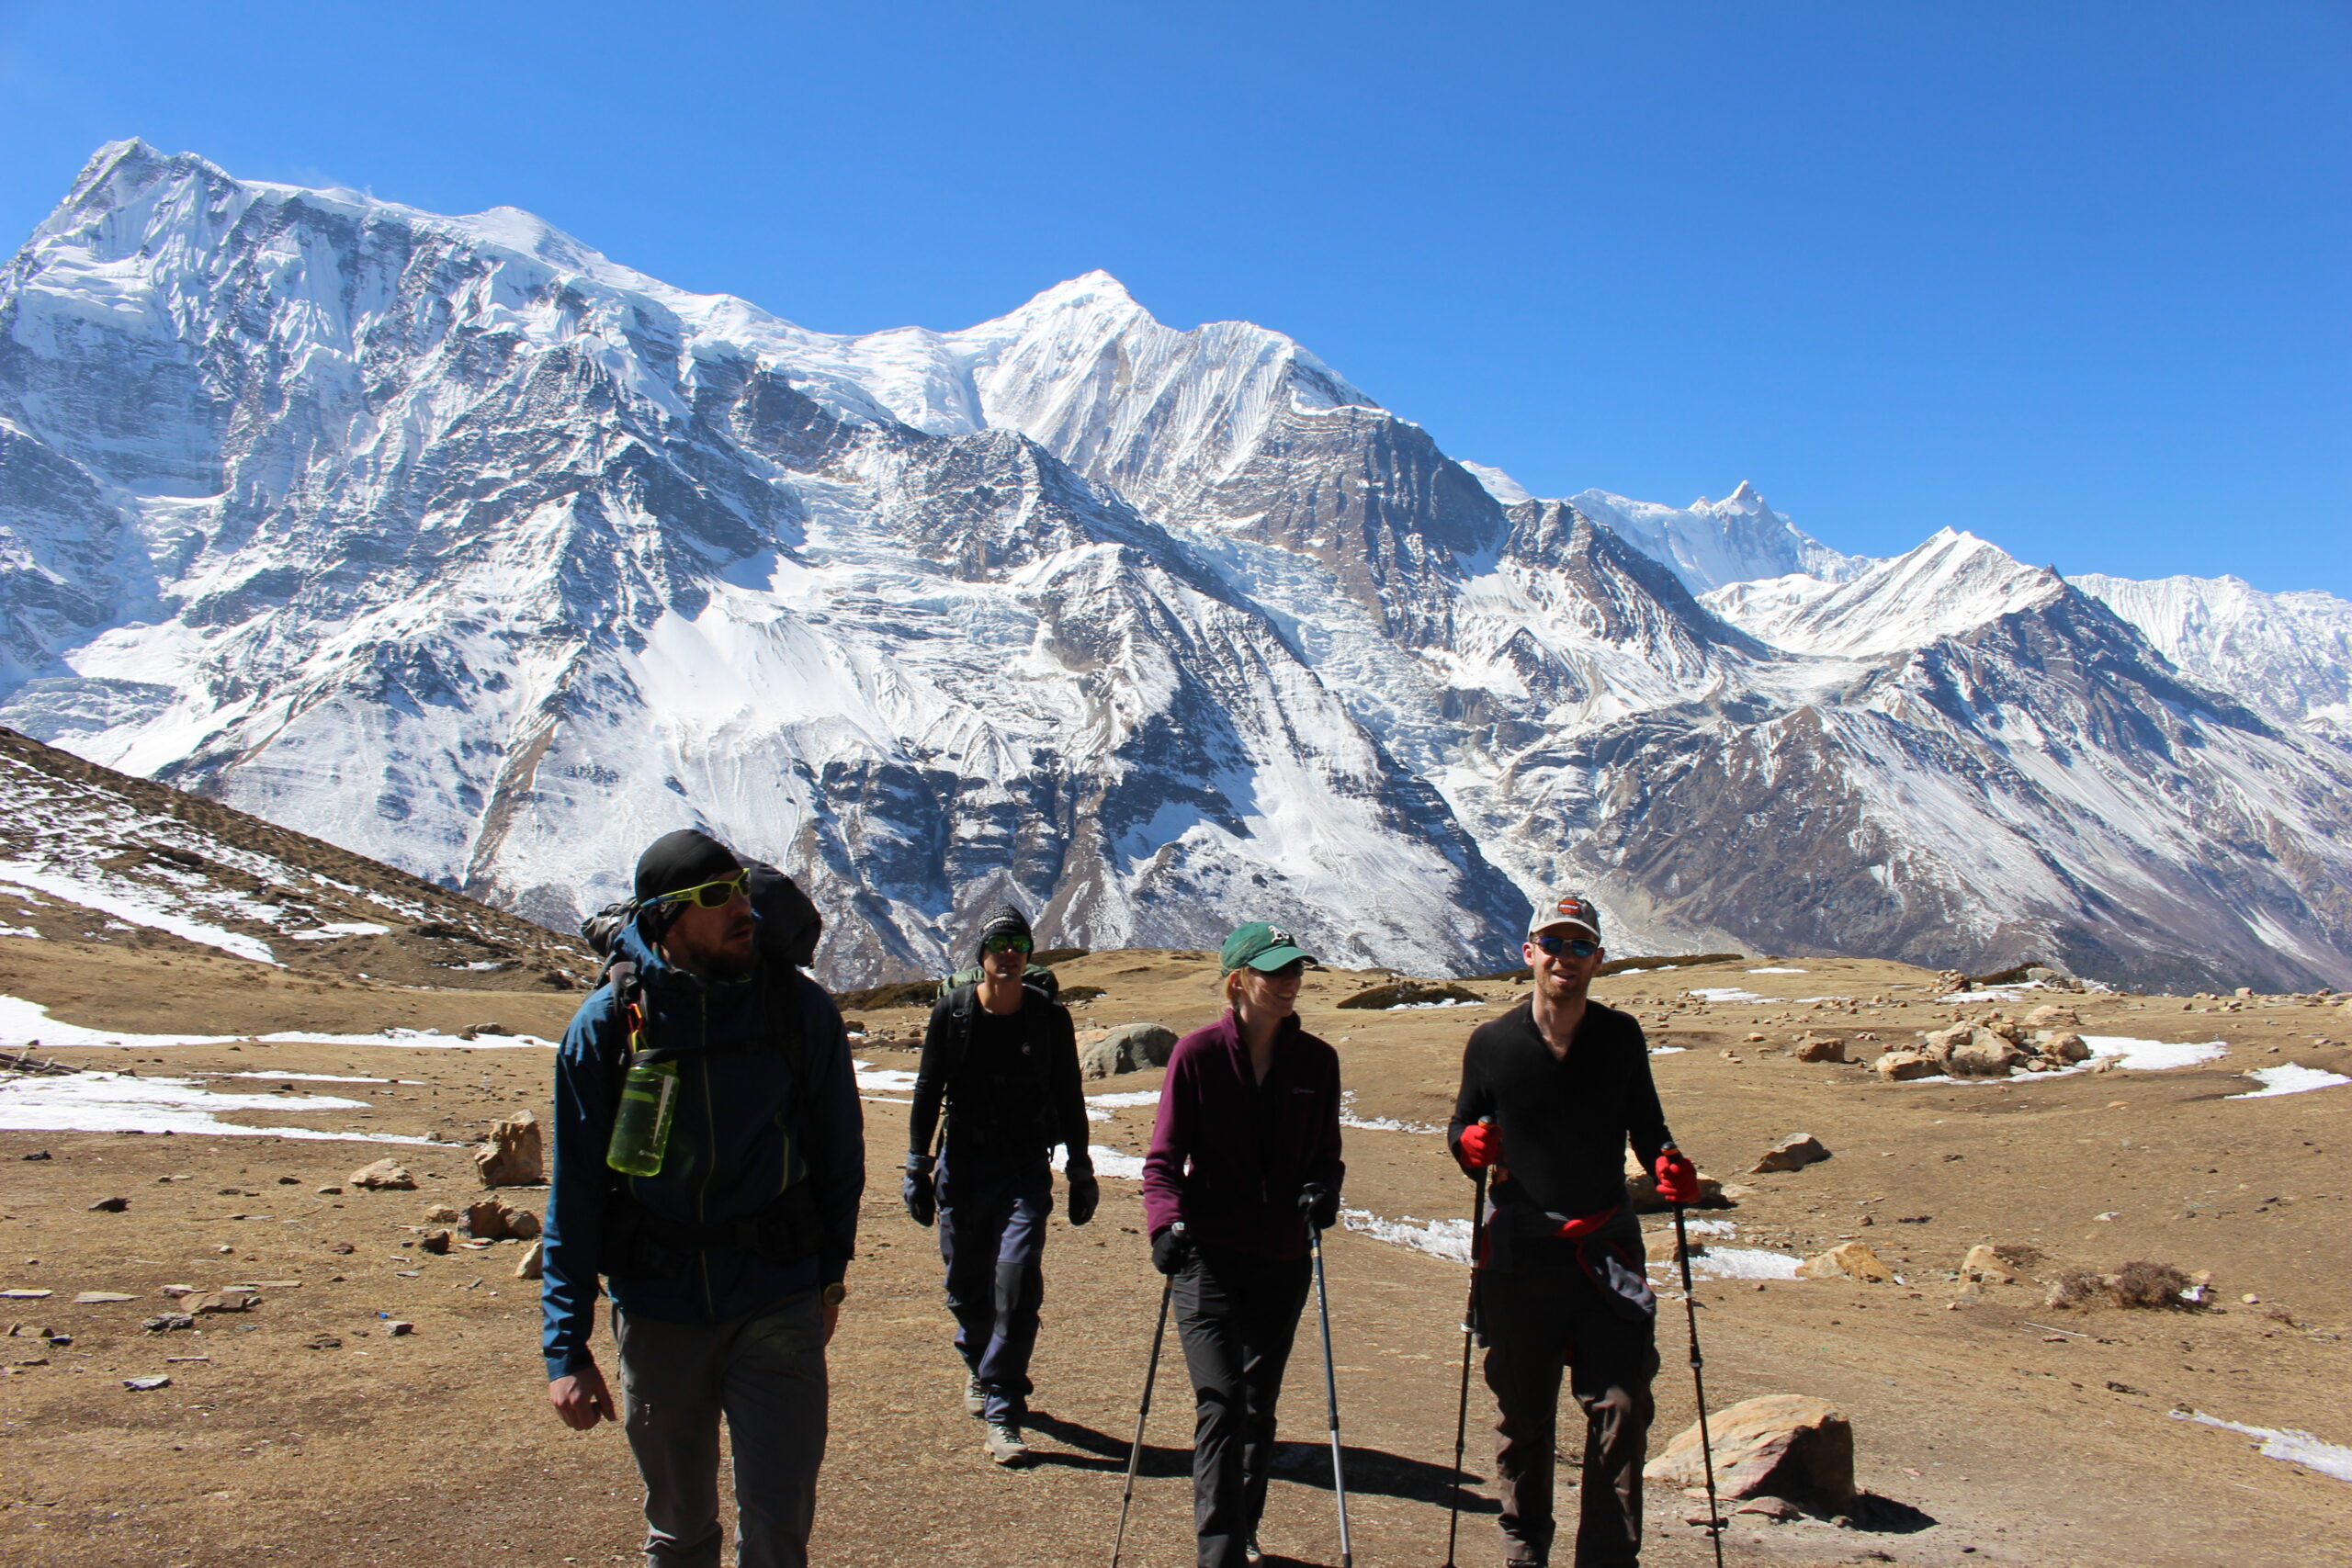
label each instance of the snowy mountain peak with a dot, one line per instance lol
(1712, 543)
(1951, 582)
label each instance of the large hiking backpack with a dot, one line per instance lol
(1035, 976)
(789, 925)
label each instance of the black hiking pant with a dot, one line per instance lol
(1238, 1314)
(992, 1235)
(1534, 1321)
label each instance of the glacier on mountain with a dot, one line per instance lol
(458, 544)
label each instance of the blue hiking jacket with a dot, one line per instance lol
(742, 1129)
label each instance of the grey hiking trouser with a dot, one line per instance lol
(764, 1373)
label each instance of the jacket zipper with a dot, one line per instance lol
(710, 1127)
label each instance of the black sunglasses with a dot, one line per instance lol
(1555, 945)
(1007, 942)
(711, 895)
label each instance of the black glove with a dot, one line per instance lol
(1085, 1193)
(921, 1198)
(1171, 1248)
(1318, 1205)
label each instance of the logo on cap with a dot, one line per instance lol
(1278, 937)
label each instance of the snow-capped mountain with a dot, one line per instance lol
(456, 542)
(2288, 654)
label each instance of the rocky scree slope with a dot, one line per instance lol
(458, 543)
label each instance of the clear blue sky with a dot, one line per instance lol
(2078, 277)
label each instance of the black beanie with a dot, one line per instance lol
(1006, 921)
(686, 858)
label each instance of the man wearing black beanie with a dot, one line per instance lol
(1002, 1056)
(709, 1154)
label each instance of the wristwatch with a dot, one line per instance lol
(836, 1293)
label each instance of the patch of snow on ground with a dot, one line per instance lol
(1668, 1050)
(1125, 1099)
(345, 928)
(1107, 1161)
(1449, 1239)
(416, 1038)
(315, 1077)
(123, 906)
(18, 931)
(2291, 1078)
(1725, 994)
(888, 1079)
(2151, 1055)
(114, 1102)
(1348, 1118)
(2294, 1447)
(1744, 1263)
(24, 1024)
(1776, 971)
(1418, 1007)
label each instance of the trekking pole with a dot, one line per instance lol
(1331, 1394)
(1135, 1454)
(1699, 1386)
(1462, 1408)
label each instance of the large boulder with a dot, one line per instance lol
(514, 1155)
(494, 1219)
(2065, 1046)
(384, 1176)
(1846, 1261)
(1819, 1048)
(1792, 1153)
(1128, 1048)
(1986, 1055)
(1784, 1445)
(1898, 1067)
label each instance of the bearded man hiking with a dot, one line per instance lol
(709, 1155)
(1551, 1092)
(1003, 1056)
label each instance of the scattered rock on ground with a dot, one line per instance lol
(110, 1206)
(1409, 993)
(1819, 1048)
(435, 1241)
(1791, 1152)
(384, 1176)
(1641, 1188)
(221, 1301)
(1128, 1048)
(2065, 1046)
(1898, 1067)
(513, 1157)
(442, 1215)
(98, 1298)
(494, 1219)
(396, 1329)
(2050, 1015)
(146, 1385)
(530, 1267)
(1659, 1247)
(1982, 1266)
(1787, 1445)
(1846, 1261)
(164, 1323)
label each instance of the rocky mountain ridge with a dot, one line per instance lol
(458, 544)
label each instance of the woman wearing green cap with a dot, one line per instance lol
(1245, 1157)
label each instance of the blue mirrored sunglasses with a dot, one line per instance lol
(1582, 947)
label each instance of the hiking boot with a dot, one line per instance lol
(975, 1397)
(1004, 1443)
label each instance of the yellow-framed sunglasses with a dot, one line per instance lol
(712, 894)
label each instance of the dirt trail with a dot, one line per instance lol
(2028, 1435)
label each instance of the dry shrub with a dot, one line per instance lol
(2077, 1287)
(2145, 1284)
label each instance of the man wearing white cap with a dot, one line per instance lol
(1550, 1093)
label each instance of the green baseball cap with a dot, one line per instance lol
(1261, 947)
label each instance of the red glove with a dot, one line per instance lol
(1678, 1179)
(1482, 1146)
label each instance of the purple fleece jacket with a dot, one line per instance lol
(1229, 1154)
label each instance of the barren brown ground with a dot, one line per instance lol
(2028, 1435)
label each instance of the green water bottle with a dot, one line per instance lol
(648, 1099)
